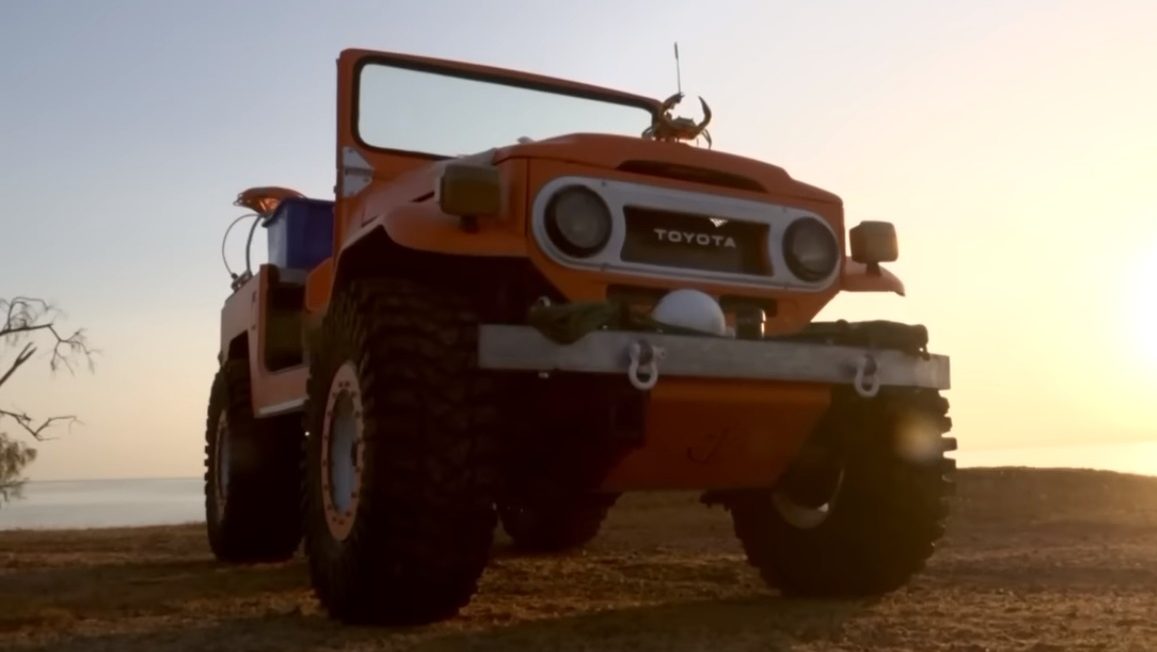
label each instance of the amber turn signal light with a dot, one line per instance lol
(874, 243)
(470, 190)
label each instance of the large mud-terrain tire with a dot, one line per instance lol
(555, 526)
(884, 519)
(400, 515)
(252, 474)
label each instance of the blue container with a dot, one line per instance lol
(300, 233)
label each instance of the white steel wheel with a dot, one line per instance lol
(252, 474)
(342, 451)
(804, 517)
(221, 464)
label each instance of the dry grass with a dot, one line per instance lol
(1035, 560)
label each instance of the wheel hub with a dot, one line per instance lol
(221, 464)
(806, 515)
(342, 451)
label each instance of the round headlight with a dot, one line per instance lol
(811, 249)
(578, 221)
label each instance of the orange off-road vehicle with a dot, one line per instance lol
(528, 296)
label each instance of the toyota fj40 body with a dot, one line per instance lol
(480, 328)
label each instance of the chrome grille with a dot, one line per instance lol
(688, 241)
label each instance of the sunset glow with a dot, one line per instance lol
(1011, 144)
(1145, 322)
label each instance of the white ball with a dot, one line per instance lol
(691, 309)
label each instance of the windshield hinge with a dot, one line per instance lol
(356, 172)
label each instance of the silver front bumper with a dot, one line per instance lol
(522, 348)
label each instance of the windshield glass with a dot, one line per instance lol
(435, 112)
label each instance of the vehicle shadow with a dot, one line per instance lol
(764, 623)
(758, 622)
(31, 597)
(63, 593)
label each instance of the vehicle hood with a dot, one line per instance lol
(611, 152)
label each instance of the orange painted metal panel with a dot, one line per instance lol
(425, 228)
(612, 152)
(271, 388)
(856, 279)
(422, 225)
(318, 285)
(712, 434)
(239, 313)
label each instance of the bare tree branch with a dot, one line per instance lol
(25, 318)
(36, 430)
(21, 358)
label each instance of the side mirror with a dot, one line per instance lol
(874, 243)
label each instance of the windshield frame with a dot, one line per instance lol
(487, 74)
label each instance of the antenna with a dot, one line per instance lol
(678, 73)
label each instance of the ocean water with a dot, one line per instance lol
(122, 503)
(105, 503)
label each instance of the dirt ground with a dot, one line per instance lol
(1035, 560)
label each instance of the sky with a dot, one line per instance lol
(1012, 144)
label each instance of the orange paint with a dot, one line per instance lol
(422, 225)
(317, 287)
(621, 154)
(428, 229)
(699, 434)
(857, 279)
(243, 315)
(795, 308)
(419, 171)
(265, 199)
(238, 314)
(717, 434)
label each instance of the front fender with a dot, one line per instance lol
(856, 278)
(412, 218)
(423, 226)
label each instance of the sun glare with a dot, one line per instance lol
(1145, 312)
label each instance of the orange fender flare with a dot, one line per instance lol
(856, 278)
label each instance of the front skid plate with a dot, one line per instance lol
(522, 348)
